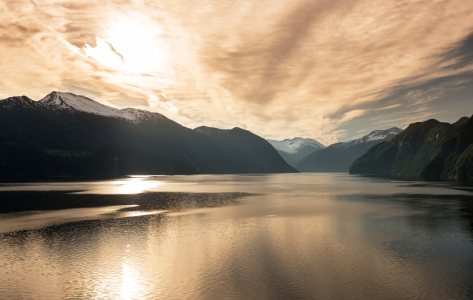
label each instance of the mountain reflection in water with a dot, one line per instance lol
(285, 236)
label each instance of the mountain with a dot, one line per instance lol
(338, 157)
(71, 102)
(247, 148)
(454, 160)
(68, 123)
(460, 122)
(409, 152)
(292, 150)
(18, 159)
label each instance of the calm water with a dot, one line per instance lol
(292, 236)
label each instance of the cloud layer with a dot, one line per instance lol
(328, 70)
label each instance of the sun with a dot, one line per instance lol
(129, 46)
(139, 48)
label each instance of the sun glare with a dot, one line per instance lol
(129, 47)
(102, 53)
(139, 48)
(134, 185)
(130, 287)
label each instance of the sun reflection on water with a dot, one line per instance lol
(134, 185)
(130, 287)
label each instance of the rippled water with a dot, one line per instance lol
(291, 236)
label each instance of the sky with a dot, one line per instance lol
(331, 70)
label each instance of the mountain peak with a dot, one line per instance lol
(17, 101)
(372, 136)
(71, 102)
(296, 145)
(460, 122)
(76, 102)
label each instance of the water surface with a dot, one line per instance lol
(283, 236)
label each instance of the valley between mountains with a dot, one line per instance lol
(70, 135)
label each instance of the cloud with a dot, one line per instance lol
(104, 53)
(320, 69)
(459, 54)
(154, 101)
(348, 116)
(390, 106)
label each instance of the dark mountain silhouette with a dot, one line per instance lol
(251, 153)
(454, 160)
(409, 152)
(18, 159)
(67, 123)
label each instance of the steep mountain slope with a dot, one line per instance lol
(455, 158)
(66, 122)
(292, 150)
(407, 153)
(247, 148)
(290, 158)
(338, 157)
(18, 159)
(460, 122)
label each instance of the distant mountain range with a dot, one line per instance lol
(430, 149)
(67, 134)
(293, 150)
(338, 157)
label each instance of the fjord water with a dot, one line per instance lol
(282, 236)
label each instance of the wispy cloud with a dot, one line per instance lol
(389, 107)
(154, 101)
(350, 115)
(281, 68)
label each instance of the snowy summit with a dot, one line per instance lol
(72, 102)
(292, 150)
(296, 145)
(373, 136)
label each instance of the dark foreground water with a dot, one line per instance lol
(292, 236)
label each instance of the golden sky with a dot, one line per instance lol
(325, 69)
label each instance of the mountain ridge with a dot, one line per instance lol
(236, 138)
(454, 160)
(294, 145)
(372, 136)
(409, 152)
(60, 124)
(292, 150)
(76, 103)
(339, 156)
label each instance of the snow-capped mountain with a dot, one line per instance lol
(72, 102)
(338, 157)
(58, 101)
(18, 101)
(110, 140)
(292, 150)
(373, 136)
(296, 145)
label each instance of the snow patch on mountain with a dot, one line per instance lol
(373, 136)
(296, 145)
(18, 101)
(71, 102)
